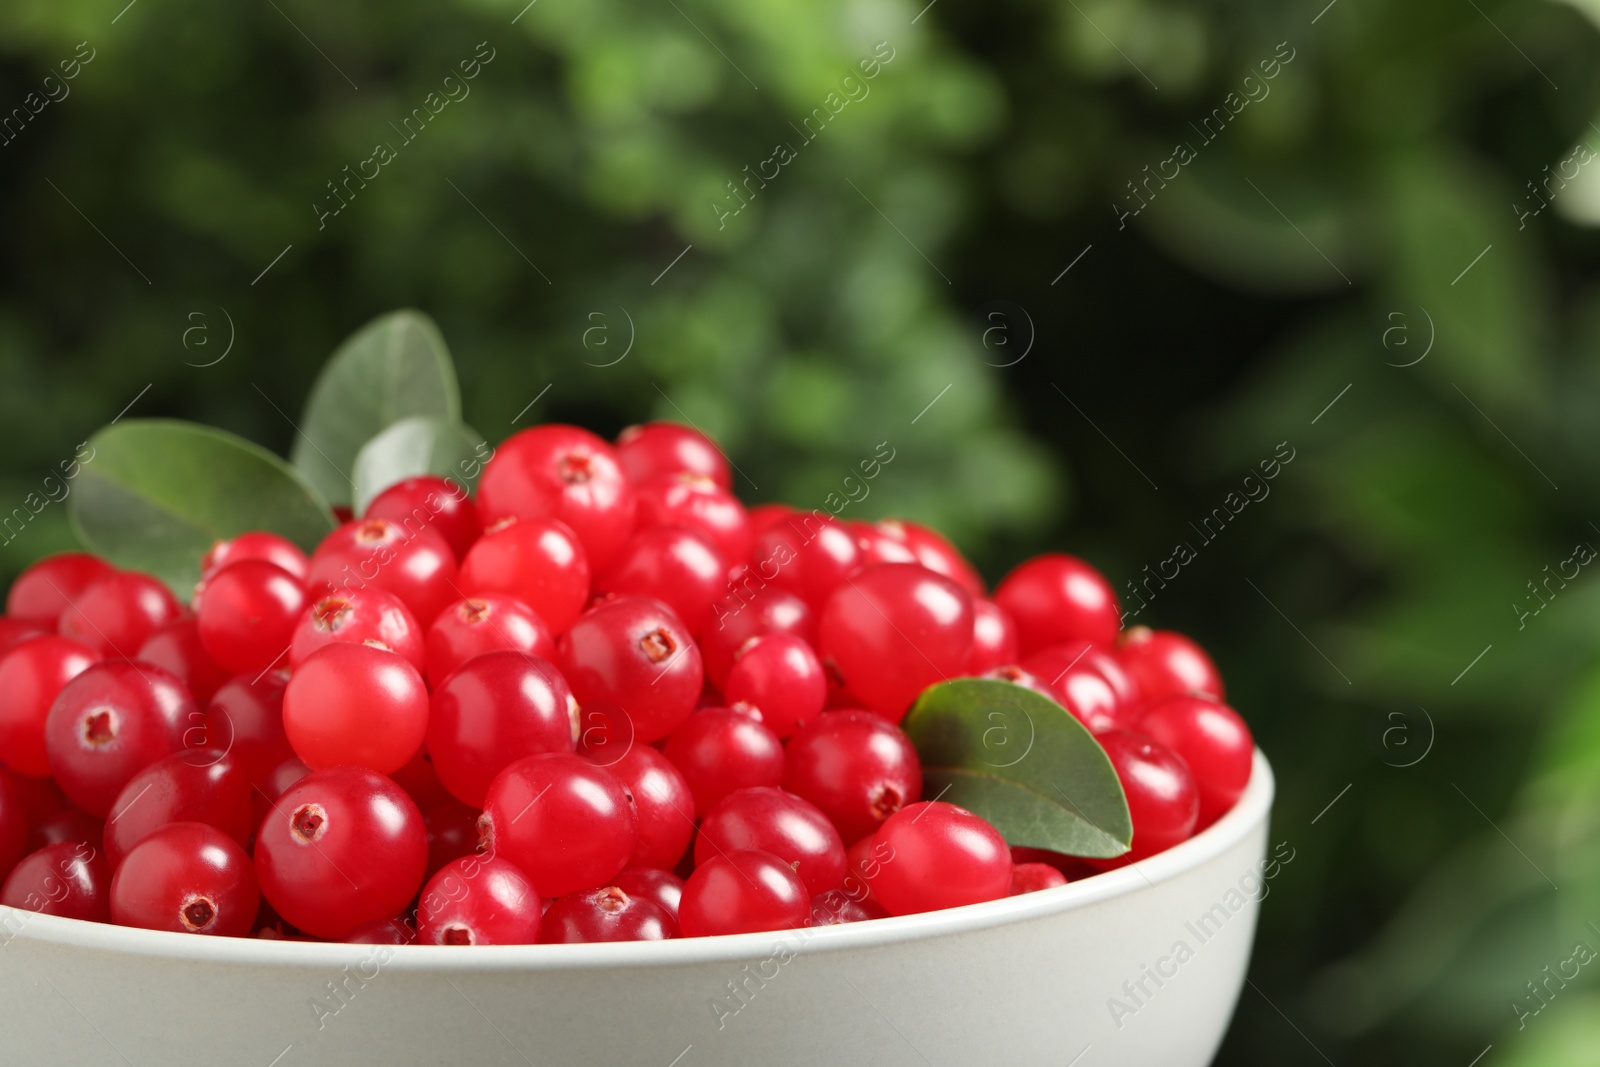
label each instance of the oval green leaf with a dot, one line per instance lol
(155, 495)
(418, 445)
(1024, 763)
(392, 368)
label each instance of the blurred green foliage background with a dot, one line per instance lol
(1366, 227)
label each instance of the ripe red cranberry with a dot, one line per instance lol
(356, 705)
(1164, 663)
(497, 708)
(355, 617)
(1162, 799)
(341, 847)
(1027, 679)
(14, 825)
(111, 722)
(763, 516)
(68, 879)
(637, 654)
(1032, 877)
(186, 877)
(856, 767)
(698, 503)
(835, 908)
(935, 553)
(565, 822)
(566, 473)
(281, 777)
(862, 861)
(742, 892)
(771, 820)
(119, 612)
(479, 900)
(662, 803)
(31, 675)
(807, 554)
(430, 501)
(654, 449)
(71, 826)
(245, 720)
(178, 789)
(176, 648)
(490, 622)
(719, 750)
(415, 564)
(15, 631)
(751, 612)
(1078, 686)
(246, 614)
(879, 547)
(39, 796)
(673, 564)
(397, 931)
(652, 884)
(452, 833)
(256, 544)
(994, 637)
(605, 732)
(941, 856)
(893, 630)
(421, 781)
(1048, 663)
(1056, 598)
(780, 677)
(608, 914)
(1215, 743)
(537, 561)
(46, 588)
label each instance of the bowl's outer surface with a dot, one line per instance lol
(1036, 979)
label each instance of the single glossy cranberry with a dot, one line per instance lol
(771, 820)
(994, 637)
(637, 654)
(433, 502)
(186, 877)
(176, 647)
(177, 789)
(566, 473)
(856, 767)
(119, 612)
(537, 561)
(1027, 679)
(719, 750)
(397, 931)
(68, 879)
(13, 825)
(1215, 743)
(1032, 877)
(1049, 662)
(807, 554)
(835, 908)
(653, 884)
(488, 623)
(746, 612)
(697, 502)
(942, 857)
(1164, 663)
(662, 803)
(246, 614)
(72, 826)
(416, 565)
(893, 630)
(341, 847)
(256, 544)
(935, 553)
(280, 779)
(479, 900)
(780, 677)
(565, 822)
(111, 722)
(421, 782)
(356, 617)
(358, 705)
(608, 914)
(654, 449)
(497, 708)
(47, 588)
(879, 547)
(1079, 687)
(742, 892)
(673, 564)
(1162, 799)
(452, 833)
(1056, 598)
(32, 674)
(245, 721)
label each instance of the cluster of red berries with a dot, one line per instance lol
(505, 719)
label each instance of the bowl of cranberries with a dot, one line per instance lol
(591, 763)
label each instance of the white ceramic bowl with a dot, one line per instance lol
(1090, 973)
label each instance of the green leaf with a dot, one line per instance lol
(418, 445)
(394, 367)
(1023, 762)
(155, 495)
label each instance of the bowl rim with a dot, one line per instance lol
(1248, 814)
